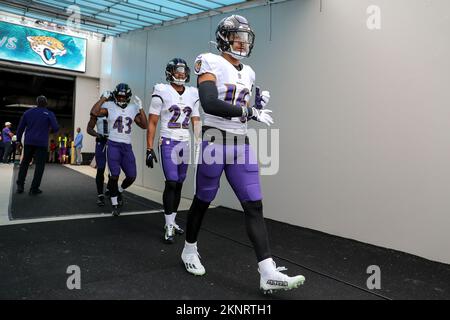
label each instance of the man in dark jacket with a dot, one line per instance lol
(36, 124)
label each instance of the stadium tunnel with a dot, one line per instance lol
(355, 184)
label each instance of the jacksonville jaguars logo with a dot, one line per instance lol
(198, 65)
(47, 48)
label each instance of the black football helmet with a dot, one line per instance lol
(177, 65)
(231, 29)
(122, 95)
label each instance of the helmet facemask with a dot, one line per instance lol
(177, 72)
(179, 75)
(240, 43)
(122, 100)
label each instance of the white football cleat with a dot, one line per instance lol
(178, 229)
(275, 280)
(192, 263)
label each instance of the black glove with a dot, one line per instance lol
(101, 138)
(150, 157)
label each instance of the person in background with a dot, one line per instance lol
(70, 146)
(52, 152)
(7, 143)
(101, 139)
(2, 150)
(12, 154)
(62, 144)
(36, 124)
(79, 146)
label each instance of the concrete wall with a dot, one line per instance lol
(86, 94)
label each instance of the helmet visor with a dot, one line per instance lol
(180, 73)
(241, 42)
(121, 99)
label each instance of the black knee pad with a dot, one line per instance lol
(113, 185)
(253, 208)
(130, 179)
(101, 173)
(169, 197)
(100, 179)
(171, 185)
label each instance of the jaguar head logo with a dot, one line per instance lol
(47, 48)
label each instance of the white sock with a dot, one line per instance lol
(114, 201)
(120, 189)
(266, 266)
(190, 247)
(170, 218)
(174, 217)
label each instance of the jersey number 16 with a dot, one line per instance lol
(230, 97)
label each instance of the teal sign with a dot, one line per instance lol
(41, 47)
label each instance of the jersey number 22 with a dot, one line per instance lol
(173, 124)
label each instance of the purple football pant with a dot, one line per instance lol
(174, 157)
(100, 155)
(120, 156)
(61, 152)
(240, 166)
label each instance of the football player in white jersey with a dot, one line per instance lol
(101, 138)
(176, 105)
(225, 86)
(120, 114)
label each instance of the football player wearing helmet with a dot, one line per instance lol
(120, 114)
(225, 86)
(176, 105)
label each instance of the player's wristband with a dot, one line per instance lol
(247, 112)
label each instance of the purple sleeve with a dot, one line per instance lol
(53, 123)
(21, 128)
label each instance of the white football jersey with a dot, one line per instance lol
(102, 126)
(120, 121)
(234, 87)
(175, 110)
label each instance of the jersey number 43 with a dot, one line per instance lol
(119, 125)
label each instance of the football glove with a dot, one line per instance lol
(262, 115)
(137, 101)
(150, 157)
(107, 95)
(261, 98)
(101, 138)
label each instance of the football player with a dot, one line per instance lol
(121, 114)
(176, 105)
(225, 85)
(101, 138)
